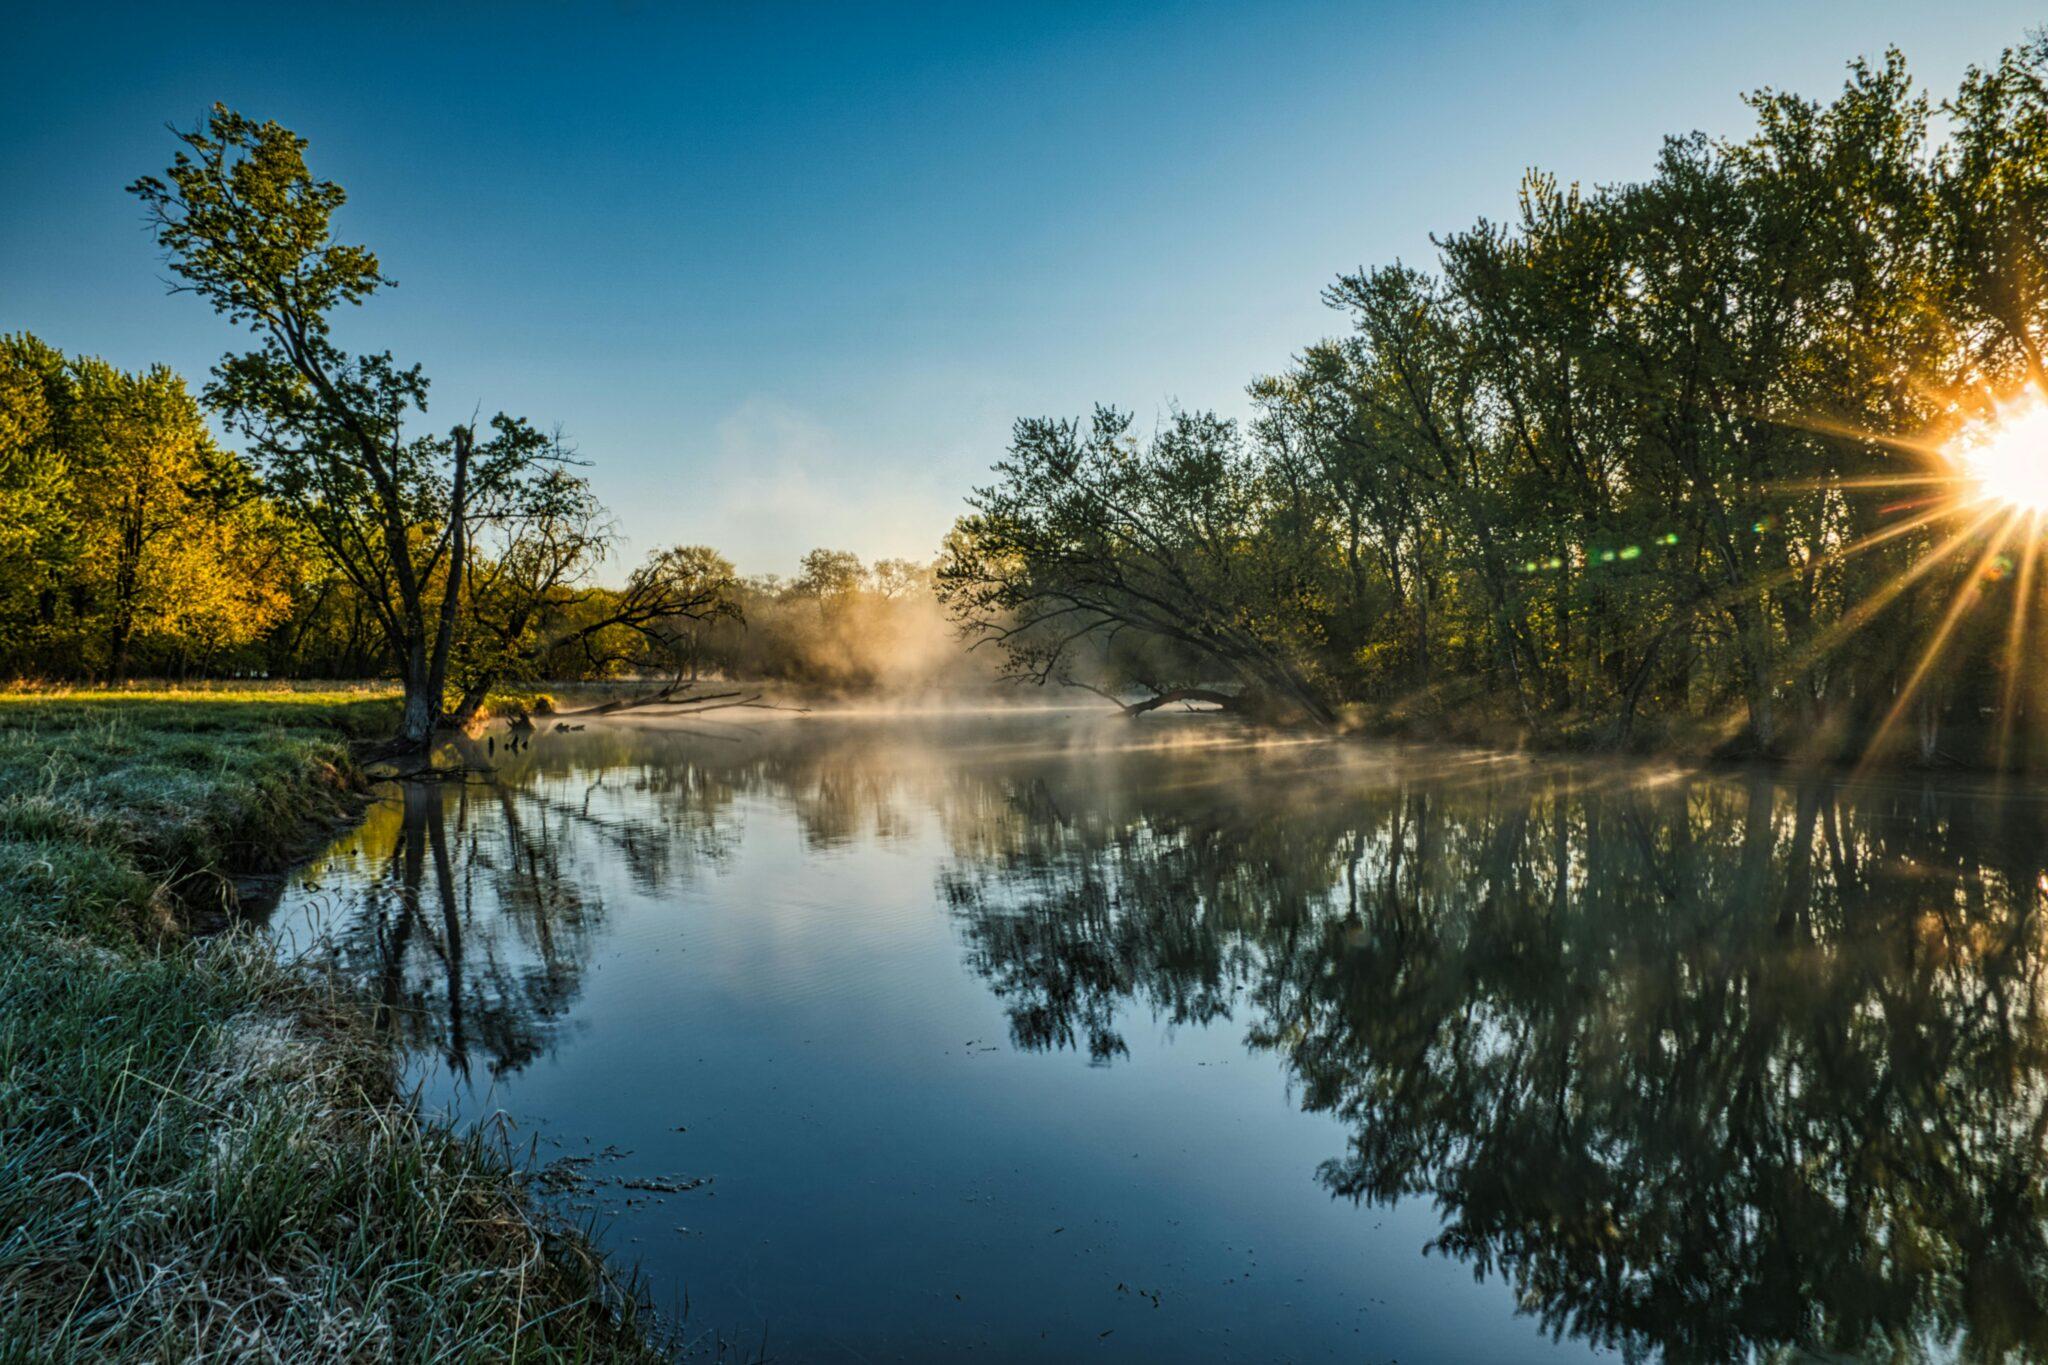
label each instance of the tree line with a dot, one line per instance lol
(125, 531)
(1650, 463)
(134, 544)
(349, 537)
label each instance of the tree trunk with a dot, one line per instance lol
(422, 702)
(1422, 628)
(451, 592)
(426, 674)
(1927, 728)
(472, 701)
(117, 646)
(127, 574)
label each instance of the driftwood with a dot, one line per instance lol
(754, 703)
(667, 697)
(629, 702)
(655, 698)
(1229, 701)
(659, 699)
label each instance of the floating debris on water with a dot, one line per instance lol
(664, 1184)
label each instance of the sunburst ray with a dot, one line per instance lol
(2016, 639)
(1956, 608)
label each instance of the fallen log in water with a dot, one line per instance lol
(1228, 701)
(654, 698)
(666, 697)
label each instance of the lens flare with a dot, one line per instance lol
(2005, 457)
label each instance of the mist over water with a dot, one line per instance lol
(1039, 1031)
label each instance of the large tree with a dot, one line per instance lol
(247, 227)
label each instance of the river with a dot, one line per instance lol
(1042, 1034)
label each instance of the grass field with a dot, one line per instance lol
(201, 1157)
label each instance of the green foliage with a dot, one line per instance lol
(1647, 463)
(530, 615)
(247, 227)
(127, 535)
(1090, 534)
(457, 560)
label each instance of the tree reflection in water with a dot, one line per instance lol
(1701, 1067)
(478, 906)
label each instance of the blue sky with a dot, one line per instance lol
(786, 274)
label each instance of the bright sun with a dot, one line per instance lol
(2006, 456)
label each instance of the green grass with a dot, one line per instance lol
(201, 1157)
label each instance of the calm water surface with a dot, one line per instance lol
(1043, 1036)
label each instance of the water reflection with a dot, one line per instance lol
(473, 934)
(1699, 1068)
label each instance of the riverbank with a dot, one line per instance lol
(202, 1155)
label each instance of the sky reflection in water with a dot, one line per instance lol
(1042, 1033)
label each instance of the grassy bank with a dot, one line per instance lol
(201, 1156)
